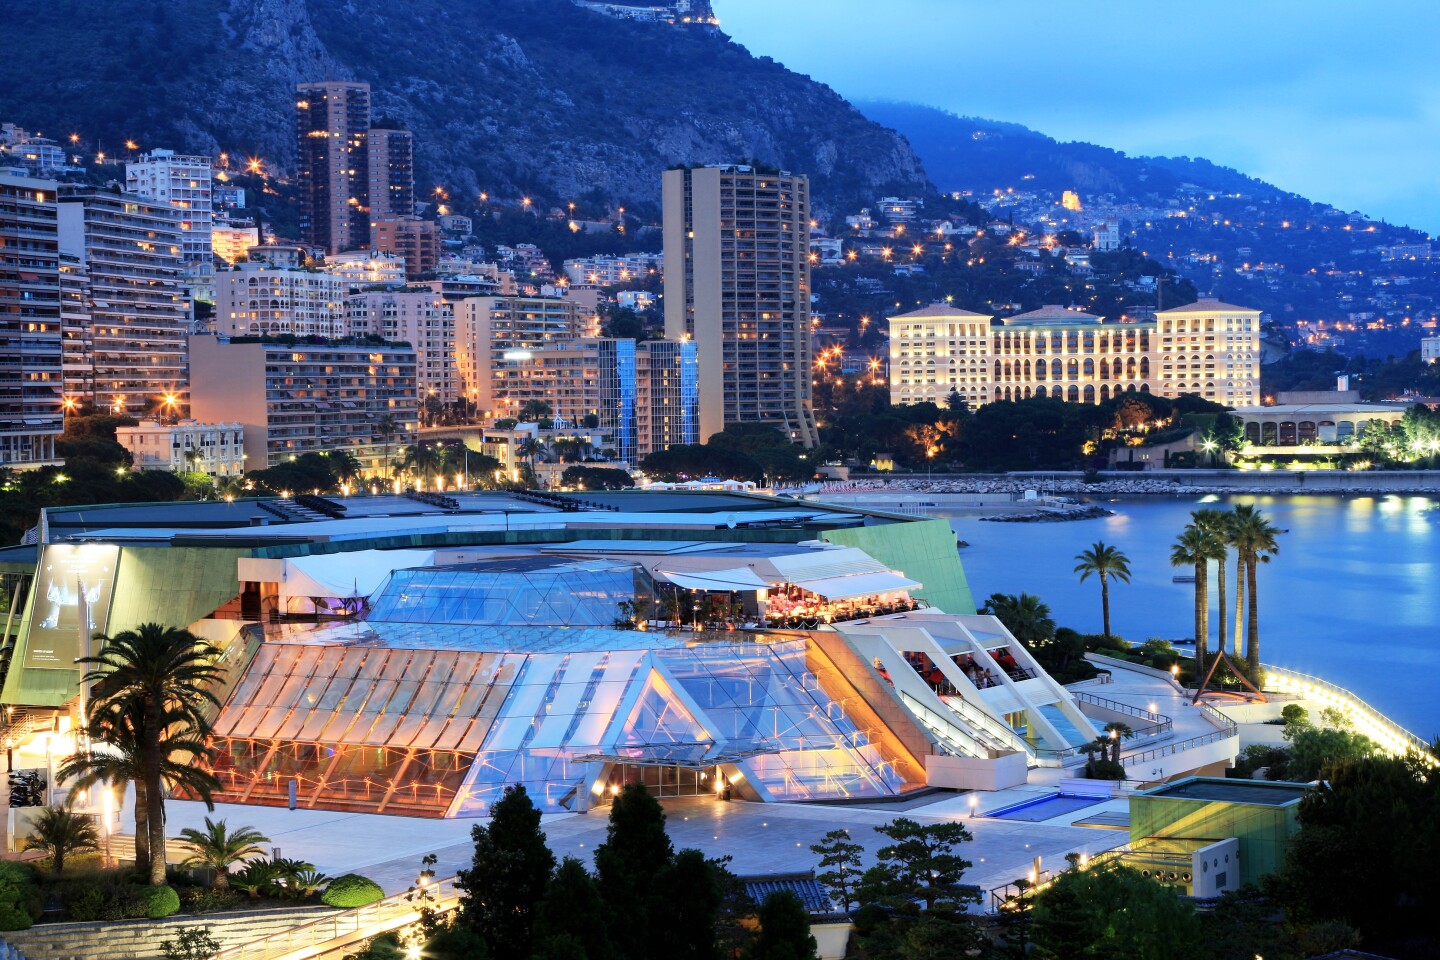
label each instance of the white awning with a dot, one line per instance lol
(859, 585)
(735, 578)
(340, 575)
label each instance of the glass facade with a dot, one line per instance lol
(442, 732)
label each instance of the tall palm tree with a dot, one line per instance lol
(1196, 548)
(1216, 524)
(154, 684)
(530, 448)
(217, 847)
(1104, 562)
(60, 831)
(387, 426)
(117, 757)
(425, 458)
(1255, 542)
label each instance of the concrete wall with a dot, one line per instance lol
(973, 773)
(141, 939)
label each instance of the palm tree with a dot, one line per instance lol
(1254, 538)
(1105, 562)
(344, 465)
(1196, 548)
(60, 831)
(386, 426)
(1025, 615)
(217, 847)
(152, 686)
(530, 448)
(1216, 524)
(425, 458)
(1115, 731)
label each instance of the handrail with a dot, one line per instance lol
(1171, 748)
(379, 917)
(1388, 734)
(987, 740)
(1119, 707)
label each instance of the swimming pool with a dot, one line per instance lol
(1045, 807)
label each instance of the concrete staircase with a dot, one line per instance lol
(141, 939)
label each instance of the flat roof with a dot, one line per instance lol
(1261, 793)
(1295, 409)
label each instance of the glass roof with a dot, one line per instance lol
(510, 591)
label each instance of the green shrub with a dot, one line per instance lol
(1294, 713)
(1104, 770)
(20, 890)
(161, 901)
(208, 899)
(1099, 643)
(14, 917)
(84, 898)
(351, 891)
(192, 943)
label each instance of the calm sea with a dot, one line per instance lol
(1353, 596)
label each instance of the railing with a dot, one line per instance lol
(1158, 725)
(309, 939)
(987, 735)
(1172, 748)
(1009, 894)
(1388, 734)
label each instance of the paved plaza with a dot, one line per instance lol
(761, 838)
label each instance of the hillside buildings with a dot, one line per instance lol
(31, 382)
(737, 282)
(1207, 348)
(410, 238)
(291, 399)
(349, 174)
(187, 446)
(1430, 349)
(131, 249)
(183, 182)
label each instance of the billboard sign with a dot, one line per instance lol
(72, 602)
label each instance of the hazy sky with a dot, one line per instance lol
(1338, 100)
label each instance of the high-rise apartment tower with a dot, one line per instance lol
(737, 282)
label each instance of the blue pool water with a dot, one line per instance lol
(1043, 808)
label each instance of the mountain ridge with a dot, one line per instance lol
(506, 96)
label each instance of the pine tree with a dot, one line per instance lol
(837, 850)
(635, 854)
(572, 910)
(784, 929)
(685, 909)
(507, 878)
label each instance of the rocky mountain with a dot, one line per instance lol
(540, 96)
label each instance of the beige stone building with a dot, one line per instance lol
(1207, 348)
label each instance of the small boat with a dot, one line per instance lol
(1183, 578)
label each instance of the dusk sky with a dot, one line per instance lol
(1335, 100)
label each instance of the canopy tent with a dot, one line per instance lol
(347, 575)
(858, 585)
(735, 578)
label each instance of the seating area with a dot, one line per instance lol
(982, 676)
